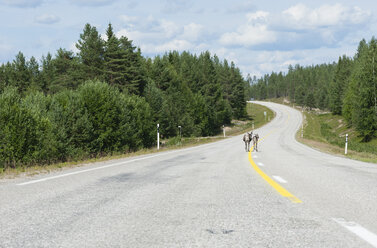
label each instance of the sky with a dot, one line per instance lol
(259, 36)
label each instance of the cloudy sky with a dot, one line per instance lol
(259, 36)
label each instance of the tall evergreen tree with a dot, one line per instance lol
(339, 84)
(67, 71)
(21, 75)
(91, 52)
(115, 61)
(365, 109)
(47, 73)
(134, 74)
(237, 97)
(33, 68)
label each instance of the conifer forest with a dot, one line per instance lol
(108, 98)
(346, 88)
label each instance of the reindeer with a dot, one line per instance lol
(247, 139)
(255, 142)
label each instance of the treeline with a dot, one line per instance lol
(346, 88)
(108, 98)
(307, 86)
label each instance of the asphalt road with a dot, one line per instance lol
(214, 195)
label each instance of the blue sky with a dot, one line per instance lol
(259, 36)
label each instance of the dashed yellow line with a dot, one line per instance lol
(282, 191)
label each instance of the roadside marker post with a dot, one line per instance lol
(253, 125)
(158, 136)
(180, 131)
(302, 125)
(224, 130)
(345, 150)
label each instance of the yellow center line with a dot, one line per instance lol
(274, 184)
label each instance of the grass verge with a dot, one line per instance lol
(327, 132)
(255, 115)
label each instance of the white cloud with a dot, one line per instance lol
(176, 45)
(192, 31)
(93, 3)
(47, 19)
(298, 27)
(6, 53)
(22, 3)
(254, 32)
(140, 37)
(302, 17)
(129, 19)
(261, 62)
(4, 47)
(174, 6)
(169, 29)
(243, 7)
(148, 28)
(159, 36)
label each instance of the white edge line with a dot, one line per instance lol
(279, 179)
(82, 171)
(360, 231)
(112, 165)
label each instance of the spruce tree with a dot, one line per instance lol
(47, 74)
(91, 52)
(339, 84)
(366, 108)
(21, 76)
(33, 68)
(67, 71)
(134, 74)
(115, 61)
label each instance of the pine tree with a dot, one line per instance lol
(309, 100)
(47, 74)
(33, 68)
(91, 52)
(115, 61)
(21, 76)
(237, 97)
(366, 121)
(134, 74)
(339, 84)
(300, 95)
(67, 71)
(359, 106)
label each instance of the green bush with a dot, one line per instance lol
(118, 122)
(25, 130)
(71, 125)
(137, 126)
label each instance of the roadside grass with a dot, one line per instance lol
(327, 132)
(255, 114)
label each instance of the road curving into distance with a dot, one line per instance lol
(213, 195)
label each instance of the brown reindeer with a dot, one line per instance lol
(247, 139)
(255, 142)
